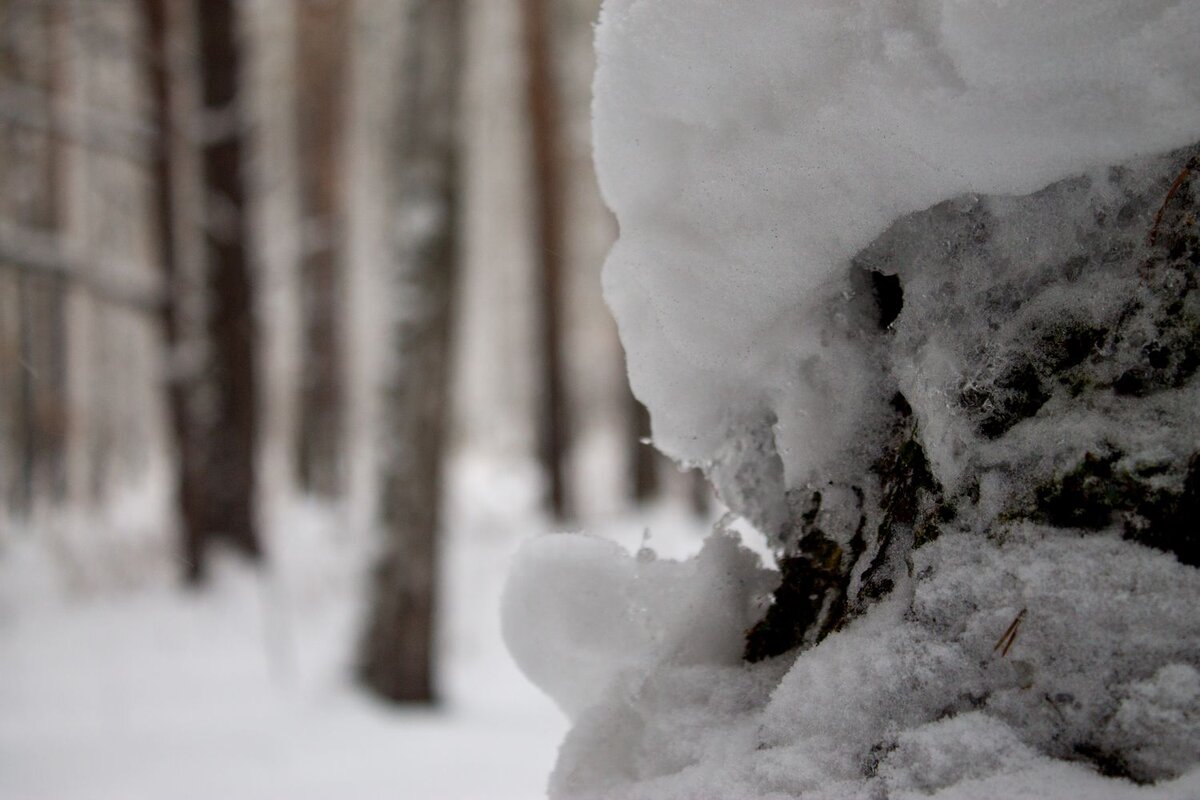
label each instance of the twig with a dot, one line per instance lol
(1192, 163)
(1010, 635)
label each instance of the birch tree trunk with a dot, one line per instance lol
(398, 649)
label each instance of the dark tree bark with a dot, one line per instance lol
(548, 203)
(701, 493)
(643, 457)
(225, 417)
(190, 476)
(398, 649)
(321, 49)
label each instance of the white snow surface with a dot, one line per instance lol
(579, 612)
(117, 684)
(911, 700)
(750, 149)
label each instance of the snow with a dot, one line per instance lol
(117, 684)
(914, 689)
(579, 611)
(967, 323)
(750, 150)
(761, 158)
(158, 694)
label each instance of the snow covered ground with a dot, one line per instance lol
(242, 692)
(157, 694)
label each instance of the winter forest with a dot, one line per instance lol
(600, 399)
(301, 331)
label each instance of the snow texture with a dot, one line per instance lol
(119, 686)
(883, 270)
(750, 150)
(910, 700)
(579, 612)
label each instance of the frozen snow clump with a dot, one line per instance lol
(578, 611)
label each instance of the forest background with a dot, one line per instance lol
(300, 321)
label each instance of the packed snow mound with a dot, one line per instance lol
(911, 700)
(578, 611)
(750, 149)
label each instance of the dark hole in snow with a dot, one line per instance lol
(889, 297)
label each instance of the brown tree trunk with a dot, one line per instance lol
(546, 141)
(226, 421)
(180, 386)
(321, 55)
(643, 457)
(398, 649)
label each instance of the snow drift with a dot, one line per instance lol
(916, 284)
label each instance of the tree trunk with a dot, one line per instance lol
(398, 649)
(643, 457)
(51, 398)
(321, 49)
(12, 373)
(546, 142)
(32, 179)
(701, 493)
(225, 422)
(189, 469)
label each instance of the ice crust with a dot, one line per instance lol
(1001, 162)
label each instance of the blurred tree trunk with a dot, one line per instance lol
(322, 49)
(398, 649)
(701, 492)
(544, 115)
(181, 383)
(51, 394)
(32, 64)
(14, 378)
(224, 418)
(644, 459)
